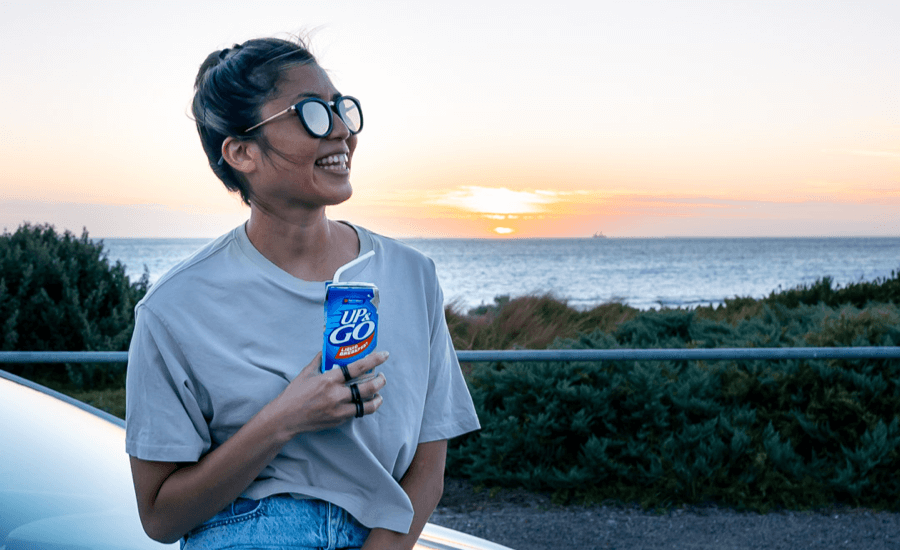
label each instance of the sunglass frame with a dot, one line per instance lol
(330, 107)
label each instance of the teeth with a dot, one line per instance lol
(333, 162)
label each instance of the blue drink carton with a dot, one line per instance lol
(351, 320)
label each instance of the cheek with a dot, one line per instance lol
(292, 158)
(292, 150)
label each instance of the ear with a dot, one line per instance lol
(243, 156)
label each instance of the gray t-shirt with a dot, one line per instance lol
(225, 331)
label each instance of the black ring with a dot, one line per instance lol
(346, 372)
(360, 411)
(354, 394)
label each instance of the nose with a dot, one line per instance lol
(339, 128)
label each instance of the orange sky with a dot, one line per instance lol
(503, 119)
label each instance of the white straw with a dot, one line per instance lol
(345, 267)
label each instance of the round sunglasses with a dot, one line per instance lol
(316, 115)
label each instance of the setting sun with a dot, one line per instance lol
(630, 119)
(497, 200)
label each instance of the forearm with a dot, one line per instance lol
(172, 499)
(424, 484)
(189, 495)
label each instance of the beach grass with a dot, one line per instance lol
(529, 322)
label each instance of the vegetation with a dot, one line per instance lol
(748, 434)
(529, 322)
(59, 292)
(535, 322)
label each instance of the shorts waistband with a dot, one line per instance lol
(278, 521)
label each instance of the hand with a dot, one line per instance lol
(316, 401)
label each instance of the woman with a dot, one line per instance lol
(233, 442)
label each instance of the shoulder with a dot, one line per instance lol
(397, 251)
(202, 264)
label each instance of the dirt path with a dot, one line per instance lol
(524, 521)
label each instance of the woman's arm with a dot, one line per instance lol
(173, 499)
(424, 483)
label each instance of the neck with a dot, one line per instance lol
(310, 247)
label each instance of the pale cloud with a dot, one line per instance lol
(503, 230)
(865, 153)
(497, 201)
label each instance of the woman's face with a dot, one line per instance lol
(301, 170)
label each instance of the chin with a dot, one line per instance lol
(344, 196)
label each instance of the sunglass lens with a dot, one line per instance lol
(351, 114)
(315, 115)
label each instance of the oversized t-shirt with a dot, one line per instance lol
(225, 331)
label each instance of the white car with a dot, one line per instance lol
(65, 480)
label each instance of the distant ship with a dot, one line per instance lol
(599, 235)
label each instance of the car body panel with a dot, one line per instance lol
(65, 479)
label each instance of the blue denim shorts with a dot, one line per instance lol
(278, 521)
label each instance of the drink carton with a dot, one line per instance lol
(351, 320)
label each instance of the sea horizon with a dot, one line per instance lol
(606, 237)
(584, 272)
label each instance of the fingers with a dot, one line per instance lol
(368, 390)
(357, 368)
(346, 372)
(367, 363)
(372, 405)
(315, 401)
(368, 386)
(364, 407)
(364, 394)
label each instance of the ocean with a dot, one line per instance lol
(643, 273)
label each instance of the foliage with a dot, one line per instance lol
(111, 400)
(752, 435)
(534, 322)
(528, 322)
(748, 434)
(59, 292)
(881, 290)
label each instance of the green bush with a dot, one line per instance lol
(59, 292)
(881, 290)
(748, 434)
(752, 435)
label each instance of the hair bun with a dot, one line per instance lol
(214, 60)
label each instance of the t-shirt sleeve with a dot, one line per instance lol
(449, 411)
(164, 420)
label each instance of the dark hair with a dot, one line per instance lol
(229, 92)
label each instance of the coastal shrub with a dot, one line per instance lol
(748, 434)
(59, 292)
(824, 291)
(534, 322)
(528, 322)
(753, 435)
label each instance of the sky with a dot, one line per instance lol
(483, 119)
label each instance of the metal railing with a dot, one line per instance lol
(470, 356)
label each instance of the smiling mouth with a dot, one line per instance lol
(337, 163)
